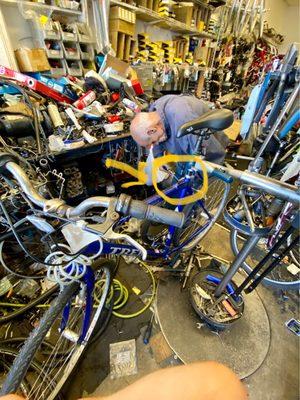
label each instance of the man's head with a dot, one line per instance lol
(147, 129)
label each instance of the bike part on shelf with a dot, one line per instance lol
(215, 120)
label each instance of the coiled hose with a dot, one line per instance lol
(121, 300)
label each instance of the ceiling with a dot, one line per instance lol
(293, 2)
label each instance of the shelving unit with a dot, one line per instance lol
(49, 9)
(147, 15)
(71, 39)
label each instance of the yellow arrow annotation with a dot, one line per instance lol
(142, 177)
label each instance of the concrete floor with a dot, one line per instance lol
(276, 379)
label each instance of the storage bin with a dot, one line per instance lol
(84, 33)
(86, 51)
(68, 32)
(73, 67)
(53, 49)
(71, 50)
(88, 66)
(51, 30)
(58, 67)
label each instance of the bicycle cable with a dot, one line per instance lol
(23, 247)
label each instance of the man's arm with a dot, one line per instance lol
(199, 381)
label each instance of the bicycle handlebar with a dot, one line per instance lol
(268, 185)
(123, 204)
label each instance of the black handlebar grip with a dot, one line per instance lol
(142, 210)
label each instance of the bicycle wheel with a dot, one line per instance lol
(7, 357)
(279, 278)
(201, 216)
(63, 350)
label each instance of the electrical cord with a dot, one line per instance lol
(41, 299)
(122, 299)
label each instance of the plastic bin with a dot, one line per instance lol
(84, 33)
(73, 67)
(70, 34)
(88, 66)
(71, 50)
(71, 4)
(86, 51)
(53, 49)
(51, 30)
(58, 67)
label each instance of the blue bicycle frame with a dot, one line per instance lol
(181, 189)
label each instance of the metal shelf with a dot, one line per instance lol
(147, 15)
(40, 6)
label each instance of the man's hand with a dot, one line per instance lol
(11, 397)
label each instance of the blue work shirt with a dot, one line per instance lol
(176, 110)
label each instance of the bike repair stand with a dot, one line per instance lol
(243, 346)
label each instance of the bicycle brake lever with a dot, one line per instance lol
(106, 229)
(110, 234)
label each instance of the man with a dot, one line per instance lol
(158, 128)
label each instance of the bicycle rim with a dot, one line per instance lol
(199, 222)
(7, 357)
(276, 277)
(65, 351)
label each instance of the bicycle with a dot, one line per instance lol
(74, 269)
(275, 151)
(71, 324)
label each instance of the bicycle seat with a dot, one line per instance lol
(216, 120)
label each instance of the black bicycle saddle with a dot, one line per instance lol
(215, 120)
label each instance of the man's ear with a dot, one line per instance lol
(150, 131)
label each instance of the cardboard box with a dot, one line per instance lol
(32, 60)
(184, 14)
(122, 13)
(120, 67)
(118, 25)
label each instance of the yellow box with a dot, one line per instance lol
(200, 26)
(118, 25)
(32, 60)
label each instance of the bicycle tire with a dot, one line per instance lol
(14, 353)
(217, 187)
(36, 338)
(283, 285)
